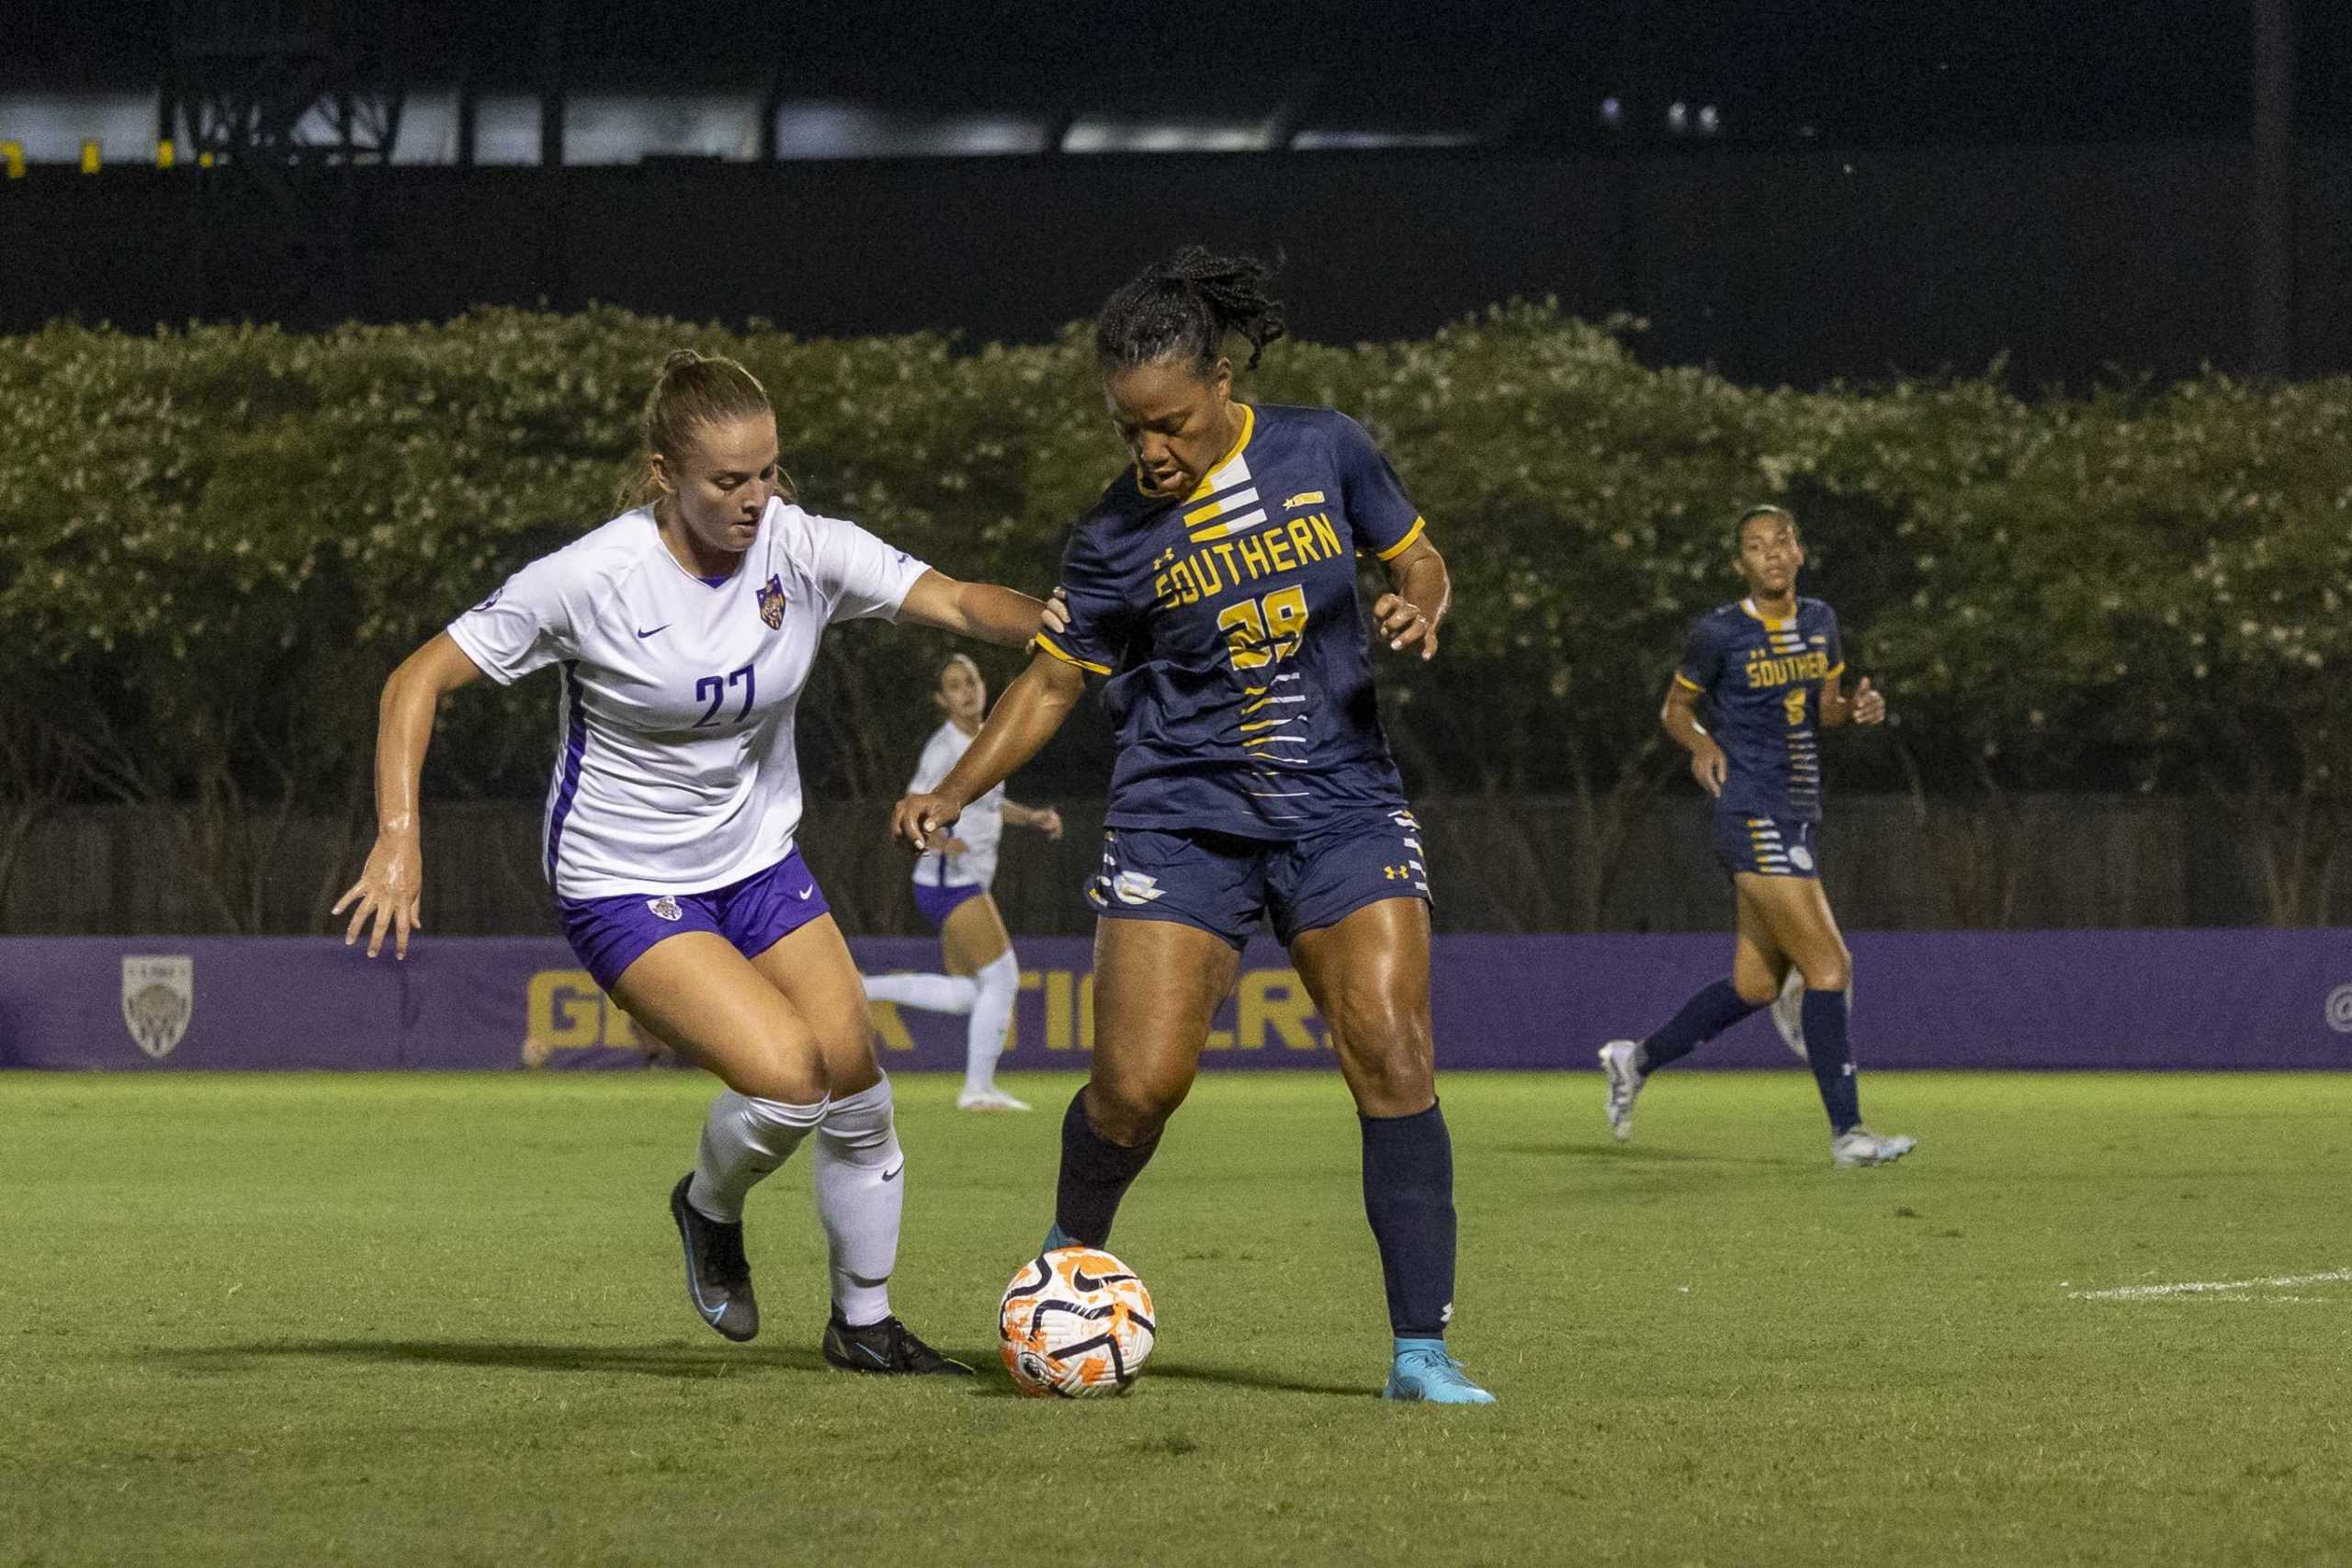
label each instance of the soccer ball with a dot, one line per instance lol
(1075, 1323)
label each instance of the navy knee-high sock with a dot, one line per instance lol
(1096, 1173)
(1832, 1059)
(1409, 1197)
(1703, 1018)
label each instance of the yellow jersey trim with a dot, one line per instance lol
(1202, 491)
(1770, 624)
(1835, 671)
(1680, 679)
(1401, 545)
(1047, 644)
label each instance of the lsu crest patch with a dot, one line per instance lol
(772, 603)
(664, 909)
(158, 998)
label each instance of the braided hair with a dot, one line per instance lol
(1183, 307)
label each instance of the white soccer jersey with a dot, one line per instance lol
(980, 827)
(674, 770)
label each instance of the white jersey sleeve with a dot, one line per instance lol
(940, 755)
(860, 577)
(527, 625)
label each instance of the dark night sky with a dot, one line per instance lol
(1856, 70)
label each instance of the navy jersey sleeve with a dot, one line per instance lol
(1703, 655)
(1378, 509)
(1100, 616)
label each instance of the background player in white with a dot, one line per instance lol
(983, 978)
(683, 630)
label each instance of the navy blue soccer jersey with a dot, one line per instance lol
(1762, 680)
(1229, 625)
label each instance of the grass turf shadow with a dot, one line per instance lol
(994, 1386)
(667, 1361)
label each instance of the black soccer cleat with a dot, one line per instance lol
(719, 1279)
(885, 1347)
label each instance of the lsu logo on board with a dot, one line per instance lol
(158, 999)
(564, 1010)
(772, 603)
(1271, 1008)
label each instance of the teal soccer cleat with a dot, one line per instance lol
(1426, 1372)
(1056, 1240)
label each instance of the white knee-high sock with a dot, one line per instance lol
(998, 984)
(744, 1140)
(861, 1189)
(933, 993)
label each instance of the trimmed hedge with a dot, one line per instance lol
(213, 545)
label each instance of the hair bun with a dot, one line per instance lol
(678, 359)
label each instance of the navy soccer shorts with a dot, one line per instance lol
(1769, 846)
(1226, 885)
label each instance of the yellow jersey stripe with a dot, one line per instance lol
(1401, 545)
(1686, 682)
(1047, 644)
(1208, 485)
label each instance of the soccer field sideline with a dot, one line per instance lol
(439, 1318)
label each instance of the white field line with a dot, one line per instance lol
(2207, 1287)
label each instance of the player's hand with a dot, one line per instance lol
(1049, 821)
(1870, 706)
(389, 892)
(922, 820)
(1056, 613)
(1707, 765)
(1403, 626)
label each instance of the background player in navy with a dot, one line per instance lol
(683, 630)
(1770, 669)
(1214, 585)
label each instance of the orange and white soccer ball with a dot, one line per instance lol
(1075, 1323)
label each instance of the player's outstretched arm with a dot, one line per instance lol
(1420, 595)
(982, 611)
(1025, 718)
(1045, 818)
(391, 886)
(1681, 718)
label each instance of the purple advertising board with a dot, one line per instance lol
(2258, 998)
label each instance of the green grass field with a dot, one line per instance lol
(440, 1320)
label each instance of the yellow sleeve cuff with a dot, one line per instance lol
(1400, 547)
(1687, 683)
(1835, 671)
(1047, 644)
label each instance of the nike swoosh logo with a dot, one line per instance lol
(805, 893)
(892, 1174)
(662, 628)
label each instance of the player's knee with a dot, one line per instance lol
(1829, 971)
(1759, 989)
(1133, 1111)
(1390, 1058)
(778, 1074)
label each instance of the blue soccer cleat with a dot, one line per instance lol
(1426, 1372)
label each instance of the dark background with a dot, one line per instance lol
(2078, 191)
